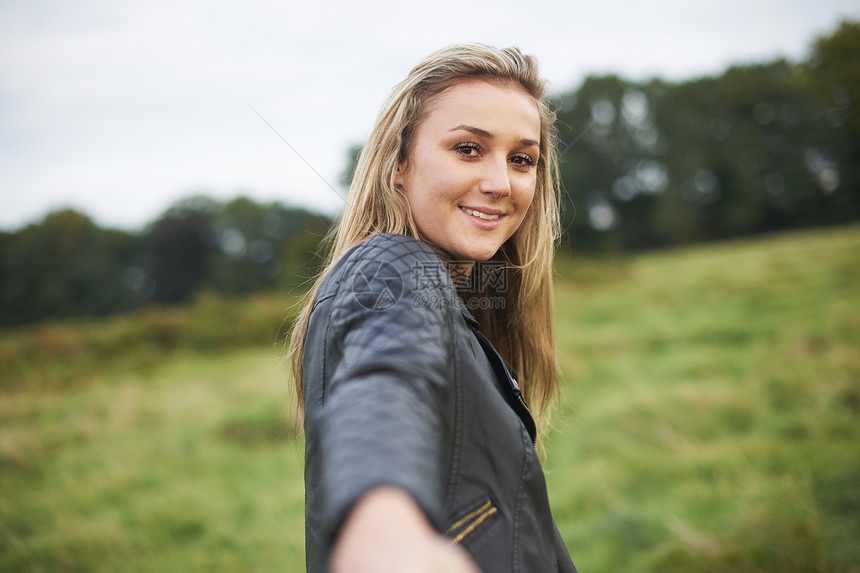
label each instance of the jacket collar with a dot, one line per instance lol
(470, 320)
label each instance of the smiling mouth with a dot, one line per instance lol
(480, 215)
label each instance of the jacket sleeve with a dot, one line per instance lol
(383, 416)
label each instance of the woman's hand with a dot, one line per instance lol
(386, 532)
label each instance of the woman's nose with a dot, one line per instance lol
(496, 178)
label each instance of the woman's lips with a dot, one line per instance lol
(481, 214)
(484, 219)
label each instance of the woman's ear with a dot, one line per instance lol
(400, 173)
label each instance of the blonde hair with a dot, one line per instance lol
(522, 328)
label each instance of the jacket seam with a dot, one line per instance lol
(335, 294)
(527, 453)
(457, 438)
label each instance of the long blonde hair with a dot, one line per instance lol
(521, 329)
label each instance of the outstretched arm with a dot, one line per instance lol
(386, 532)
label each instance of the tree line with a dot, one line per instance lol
(67, 266)
(760, 148)
(653, 164)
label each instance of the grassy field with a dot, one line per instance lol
(708, 422)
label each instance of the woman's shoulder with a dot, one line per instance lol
(390, 260)
(397, 250)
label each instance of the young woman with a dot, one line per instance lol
(425, 353)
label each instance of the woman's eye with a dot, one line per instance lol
(468, 149)
(523, 160)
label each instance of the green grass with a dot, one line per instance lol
(708, 422)
(194, 467)
(67, 354)
(710, 407)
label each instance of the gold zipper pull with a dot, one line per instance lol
(469, 522)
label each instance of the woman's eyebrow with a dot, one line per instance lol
(484, 133)
(476, 130)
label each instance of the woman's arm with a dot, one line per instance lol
(380, 416)
(386, 532)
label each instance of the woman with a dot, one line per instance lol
(420, 444)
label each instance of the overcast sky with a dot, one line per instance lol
(118, 109)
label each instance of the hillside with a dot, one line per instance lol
(708, 422)
(710, 412)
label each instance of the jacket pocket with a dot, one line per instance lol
(466, 525)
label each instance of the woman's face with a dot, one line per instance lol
(470, 175)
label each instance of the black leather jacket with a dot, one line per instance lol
(402, 389)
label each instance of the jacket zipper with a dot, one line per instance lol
(468, 523)
(522, 402)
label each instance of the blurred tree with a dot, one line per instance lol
(612, 169)
(832, 74)
(245, 258)
(178, 249)
(303, 252)
(263, 246)
(233, 248)
(756, 149)
(734, 153)
(66, 266)
(63, 266)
